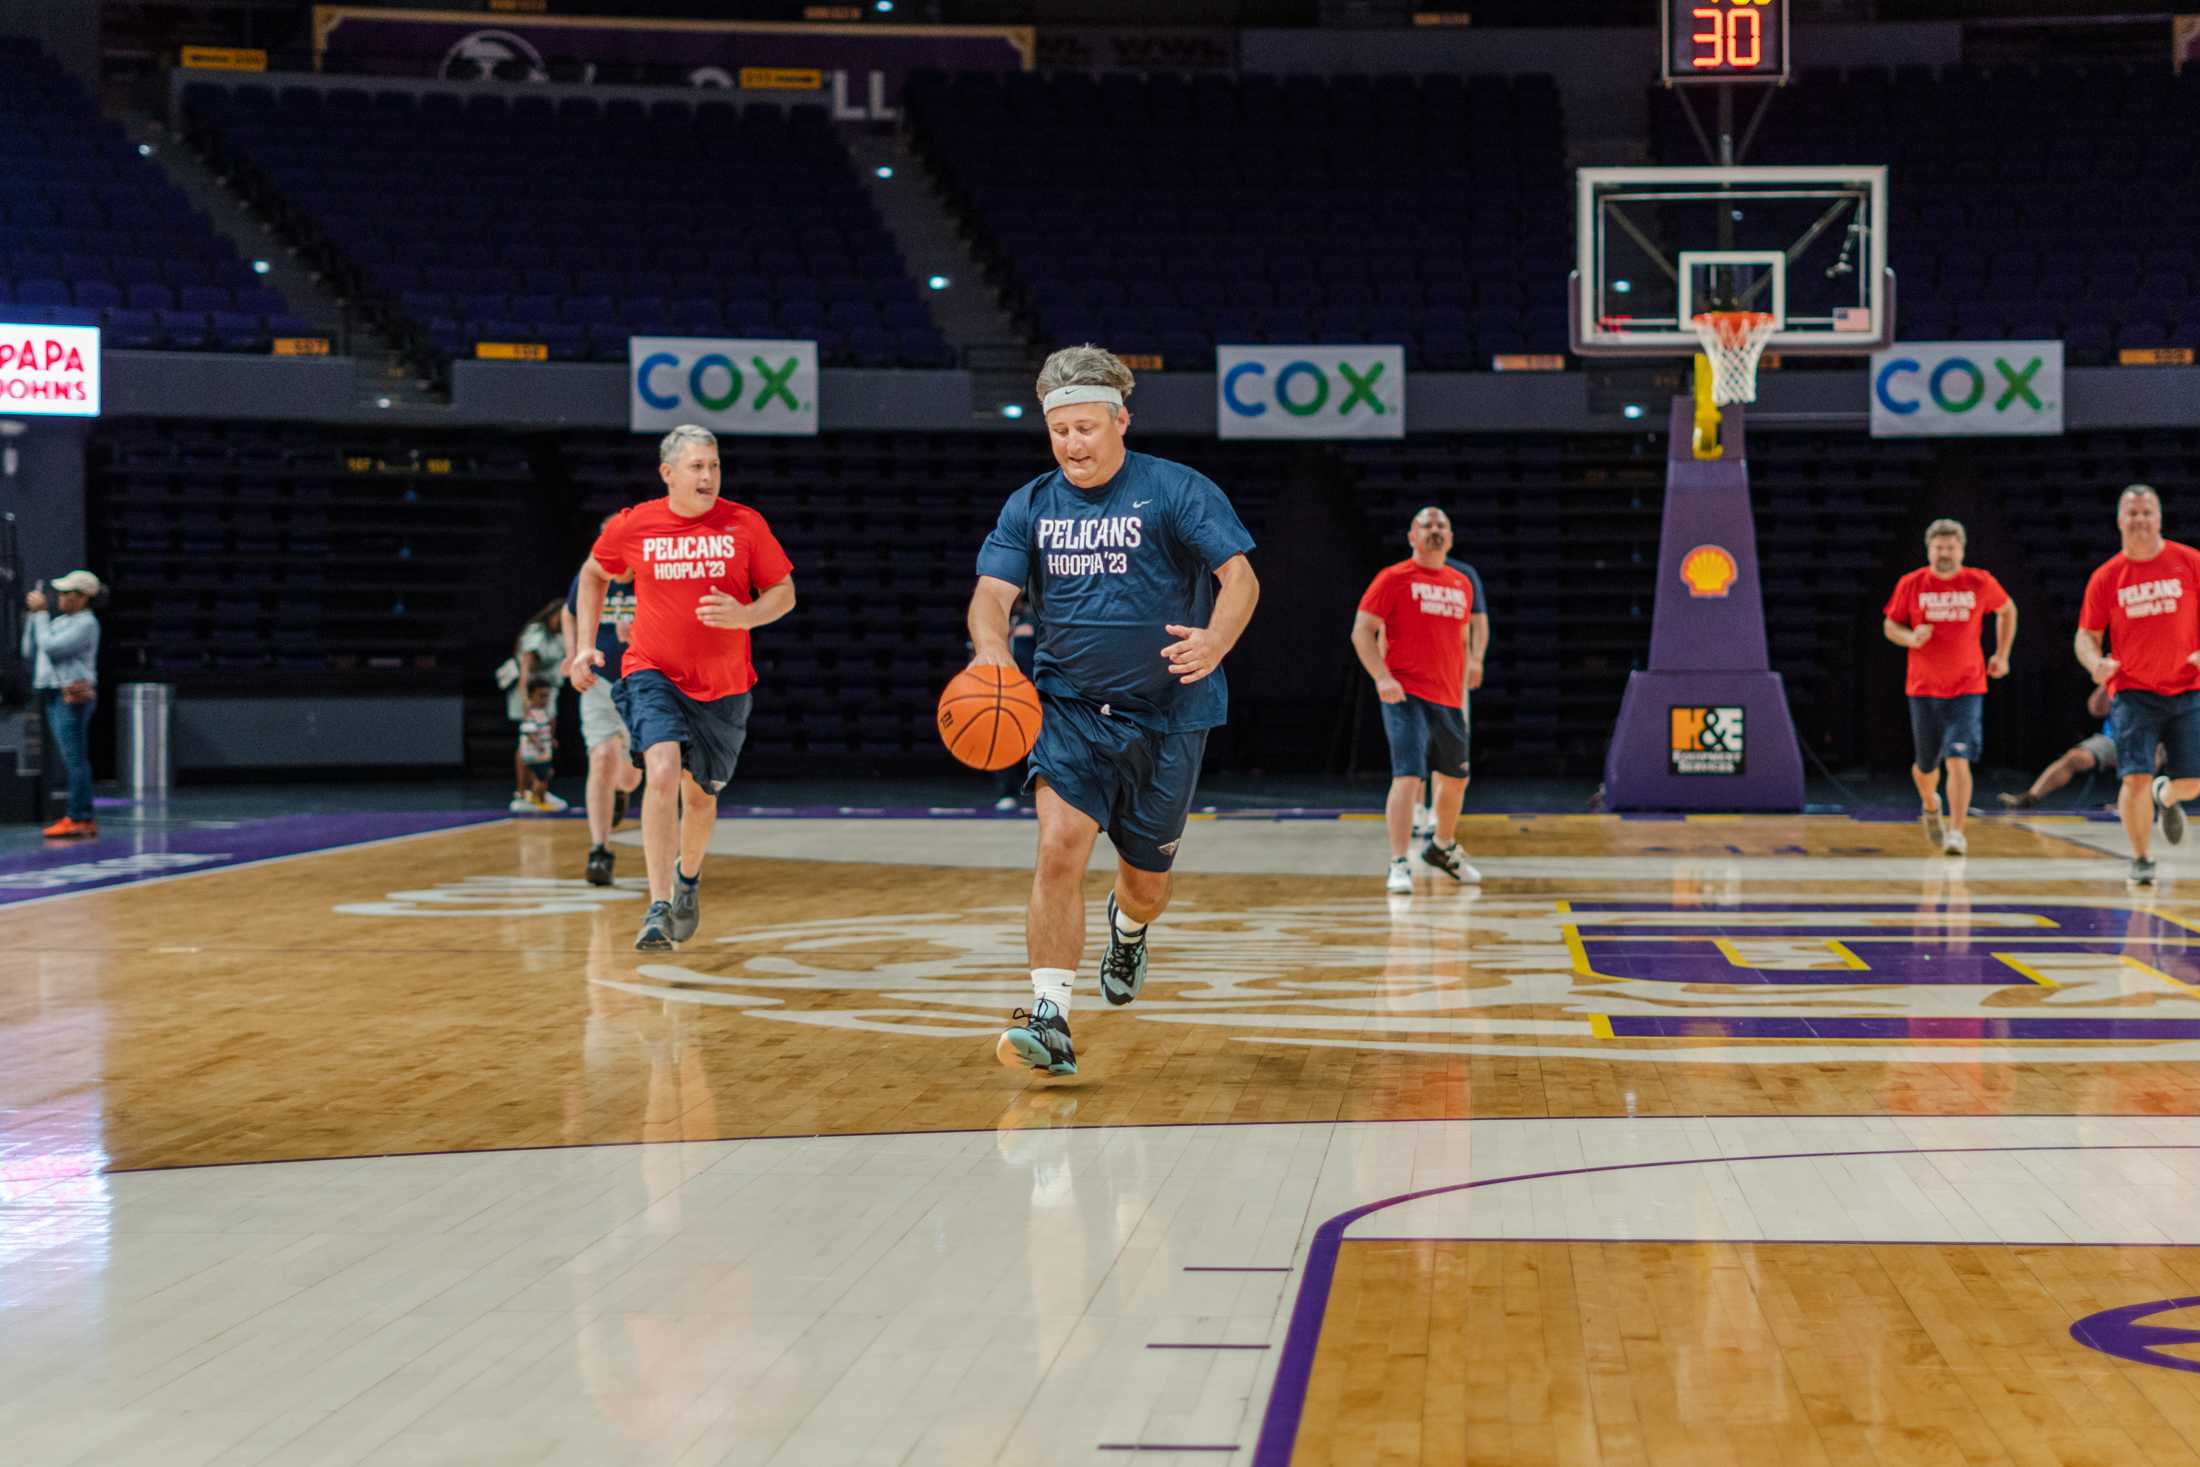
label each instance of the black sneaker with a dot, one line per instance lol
(2022, 800)
(1123, 965)
(1039, 1038)
(1448, 860)
(2142, 871)
(599, 866)
(2172, 814)
(687, 905)
(656, 933)
(618, 808)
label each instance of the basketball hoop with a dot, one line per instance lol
(1732, 342)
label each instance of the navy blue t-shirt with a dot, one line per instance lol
(1481, 600)
(1107, 570)
(618, 606)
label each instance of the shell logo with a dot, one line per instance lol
(1708, 571)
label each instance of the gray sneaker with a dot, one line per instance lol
(2142, 871)
(2171, 814)
(687, 905)
(1934, 831)
(656, 933)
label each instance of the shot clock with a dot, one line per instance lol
(1725, 40)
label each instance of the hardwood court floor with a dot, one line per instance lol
(1678, 1141)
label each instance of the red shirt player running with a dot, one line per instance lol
(1937, 612)
(706, 571)
(2146, 601)
(1411, 634)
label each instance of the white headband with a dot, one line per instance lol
(1064, 396)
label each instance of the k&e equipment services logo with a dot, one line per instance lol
(1705, 740)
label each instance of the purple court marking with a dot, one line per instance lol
(2118, 1332)
(1206, 1347)
(1661, 1026)
(1230, 1268)
(1279, 1427)
(123, 859)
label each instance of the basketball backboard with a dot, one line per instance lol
(1656, 245)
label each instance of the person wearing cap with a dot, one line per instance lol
(61, 642)
(1139, 584)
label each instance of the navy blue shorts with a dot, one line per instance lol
(710, 735)
(2142, 720)
(1137, 785)
(543, 771)
(1425, 738)
(1946, 728)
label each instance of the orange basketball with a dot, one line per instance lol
(989, 716)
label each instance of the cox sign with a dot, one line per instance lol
(1310, 391)
(725, 385)
(49, 371)
(1948, 389)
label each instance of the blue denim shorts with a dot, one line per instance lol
(2142, 720)
(1425, 738)
(1947, 728)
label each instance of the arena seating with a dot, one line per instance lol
(92, 233)
(1428, 211)
(2003, 227)
(573, 223)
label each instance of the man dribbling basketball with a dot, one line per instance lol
(707, 571)
(1121, 554)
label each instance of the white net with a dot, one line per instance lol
(1733, 341)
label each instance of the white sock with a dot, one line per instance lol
(1052, 984)
(2163, 795)
(1125, 928)
(1398, 860)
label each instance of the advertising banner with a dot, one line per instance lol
(1967, 389)
(1310, 391)
(49, 371)
(863, 65)
(723, 384)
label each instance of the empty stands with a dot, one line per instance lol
(93, 234)
(1428, 211)
(574, 223)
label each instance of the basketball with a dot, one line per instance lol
(989, 716)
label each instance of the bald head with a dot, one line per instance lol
(2139, 519)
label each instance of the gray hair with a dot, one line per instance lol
(669, 448)
(1084, 366)
(1939, 528)
(2131, 489)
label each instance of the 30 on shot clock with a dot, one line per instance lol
(1725, 40)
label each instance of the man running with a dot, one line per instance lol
(1138, 581)
(1411, 633)
(706, 573)
(1937, 612)
(612, 774)
(2146, 600)
(2096, 751)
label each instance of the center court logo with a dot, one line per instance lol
(1644, 982)
(1705, 740)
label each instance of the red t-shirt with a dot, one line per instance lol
(2151, 612)
(1952, 662)
(675, 561)
(1424, 615)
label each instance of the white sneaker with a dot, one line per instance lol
(1955, 844)
(521, 805)
(552, 803)
(1424, 825)
(1400, 880)
(1005, 802)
